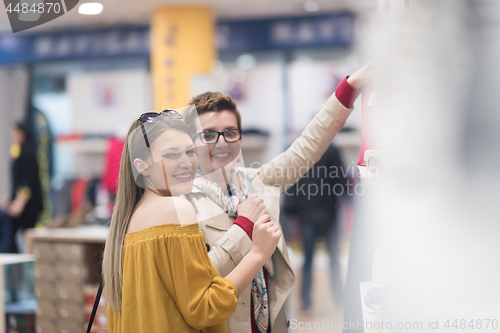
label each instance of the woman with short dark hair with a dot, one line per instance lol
(229, 198)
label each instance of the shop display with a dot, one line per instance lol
(63, 271)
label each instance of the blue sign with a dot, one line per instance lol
(232, 36)
(70, 45)
(286, 33)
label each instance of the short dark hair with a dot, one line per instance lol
(24, 127)
(21, 126)
(215, 102)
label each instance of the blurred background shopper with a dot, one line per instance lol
(315, 200)
(25, 202)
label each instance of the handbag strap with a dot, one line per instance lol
(96, 304)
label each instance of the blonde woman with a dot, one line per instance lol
(158, 276)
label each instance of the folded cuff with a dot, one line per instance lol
(346, 94)
(245, 224)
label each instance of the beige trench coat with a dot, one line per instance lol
(229, 243)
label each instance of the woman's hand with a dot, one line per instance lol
(362, 77)
(252, 208)
(16, 208)
(5, 203)
(265, 238)
(264, 241)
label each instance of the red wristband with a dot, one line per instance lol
(245, 224)
(346, 94)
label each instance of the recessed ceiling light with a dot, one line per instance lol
(90, 8)
(311, 6)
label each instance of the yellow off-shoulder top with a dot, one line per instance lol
(170, 284)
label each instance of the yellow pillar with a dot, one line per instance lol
(182, 44)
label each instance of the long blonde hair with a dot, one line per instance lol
(127, 197)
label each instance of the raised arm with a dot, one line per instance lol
(287, 168)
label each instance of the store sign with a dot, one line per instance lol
(109, 43)
(78, 44)
(232, 36)
(316, 31)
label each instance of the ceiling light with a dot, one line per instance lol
(90, 8)
(311, 6)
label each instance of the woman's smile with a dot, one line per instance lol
(222, 156)
(184, 177)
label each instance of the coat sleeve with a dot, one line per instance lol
(203, 298)
(228, 251)
(287, 168)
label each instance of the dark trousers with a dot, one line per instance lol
(13, 243)
(27, 220)
(318, 224)
(5, 233)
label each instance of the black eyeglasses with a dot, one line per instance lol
(150, 117)
(230, 135)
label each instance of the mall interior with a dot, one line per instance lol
(409, 242)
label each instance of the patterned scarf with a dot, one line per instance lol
(240, 186)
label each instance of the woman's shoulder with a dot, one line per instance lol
(181, 208)
(166, 210)
(160, 211)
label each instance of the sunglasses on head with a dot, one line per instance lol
(151, 117)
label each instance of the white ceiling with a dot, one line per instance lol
(123, 12)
